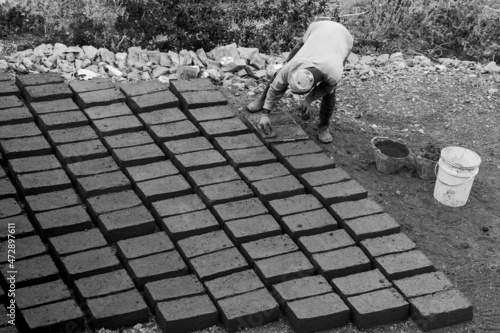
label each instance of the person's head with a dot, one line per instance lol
(303, 80)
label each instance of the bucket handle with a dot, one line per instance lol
(435, 172)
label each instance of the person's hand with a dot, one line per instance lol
(305, 109)
(265, 126)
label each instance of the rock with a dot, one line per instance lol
(59, 49)
(367, 60)
(145, 76)
(188, 71)
(70, 57)
(258, 61)
(165, 60)
(219, 52)
(78, 64)
(154, 56)
(86, 63)
(174, 56)
(4, 64)
(234, 66)
(90, 51)
(242, 72)
(440, 68)
(121, 60)
(271, 69)
(396, 56)
(164, 79)
(28, 63)
(202, 55)
(20, 68)
(422, 60)
(25, 54)
(134, 75)
(47, 63)
(107, 56)
(144, 56)
(77, 51)
(382, 59)
(196, 59)
(213, 73)
(185, 58)
(226, 60)
(40, 68)
(159, 71)
(173, 69)
(276, 60)
(40, 50)
(448, 61)
(492, 67)
(260, 73)
(285, 55)
(212, 64)
(493, 91)
(66, 66)
(353, 58)
(93, 68)
(113, 71)
(247, 52)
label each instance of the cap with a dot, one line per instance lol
(302, 81)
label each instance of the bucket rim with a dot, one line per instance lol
(457, 165)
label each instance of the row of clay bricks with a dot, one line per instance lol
(295, 222)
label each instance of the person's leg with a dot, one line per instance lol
(325, 113)
(258, 104)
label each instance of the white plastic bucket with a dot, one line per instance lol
(457, 169)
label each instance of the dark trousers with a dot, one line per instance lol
(327, 107)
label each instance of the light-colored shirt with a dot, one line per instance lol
(327, 45)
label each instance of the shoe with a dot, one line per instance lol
(256, 105)
(324, 135)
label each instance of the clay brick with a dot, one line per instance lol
(19, 131)
(403, 265)
(81, 86)
(126, 223)
(189, 145)
(33, 164)
(62, 120)
(15, 116)
(360, 283)
(40, 294)
(138, 155)
(324, 242)
(43, 181)
(77, 242)
(172, 289)
(163, 188)
(161, 116)
(371, 226)
(189, 224)
(32, 271)
(212, 176)
(62, 221)
(252, 228)
(268, 247)
(239, 209)
(308, 163)
(186, 314)
(308, 223)
(353, 209)
(174, 131)
(255, 156)
(4, 76)
(196, 246)
(444, 308)
(8, 329)
(384, 245)
(26, 247)
(296, 148)
(47, 92)
(234, 284)
(58, 105)
(103, 284)
(252, 309)
(118, 310)
(9, 88)
(283, 268)
(323, 177)
(293, 205)
(91, 262)
(24, 147)
(262, 172)
(349, 190)
(423, 284)
(81, 151)
(52, 200)
(23, 226)
(277, 188)
(142, 88)
(151, 171)
(301, 288)
(108, 111)
(2, 173)
(210, 113)
(7, 102)
(9, 207)
(223, 127)
(7, 189)
(382, 307)
(214, 265)
(23, 81)
(90, 99)
(199, 99)
(199, 160)
(242, 141)
(91, 167)
(225, 192)
(70, 135)
(180, 86)
(154, 101)
(338, 263)
(317, 313)
(176, 206)
(111, 202)
(55, 317)
(117, 125)
(142, 246)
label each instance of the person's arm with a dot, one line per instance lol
(276, 90)
(321, 90)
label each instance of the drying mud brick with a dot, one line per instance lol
(47, 92)
(81, 86)
(80, 151)
(151, 171)
(43, 181)
(353, 209)
(7, 189)
(117, 125)
(143, 88)
(189, 224)
(9, 207)
(239, 209)
(8, 88)
(252, 228)
(212, 176)
(23, 226)
(127, 140)
(113, 311)
(360, 283)
(111, 202)
(210, 113)
(199, 160)
(69, 135)
(403, 265)
(214, 265)
(174, 131)
(296, 289)
(180, 86)
(225, 192)
(242, 141)
(189, 145)
(384, 245)
(200, 99)
(15, 116)
(349, 190)
(55, 317)
(52, 200)
(90, 99)
(204, 244)
(103, 284)
(296, 148)
(23, 81)
(62, 120)
(265, 171)
(142, 246)
(234, 284)
(377, 308)
(423, 284)
(88, 263)
(268, 247)
(308, 223)
(161, 116)
(26, 247)
(156, 267)
(32, 271)
(317, 313)
(250, 157)
(7, 102)
(126, 223)
(33, 164)
(91, 167)
(283, 268)
(62, 221)
(223, 127)
(153, 101)
(77, 242)
(59, 105)
(308, 163)
(163, 188)
(108, 111)
(186, 314)
(172, 289)
(40, 294)
(293, 205)
(178, 205)
(138, 155)
(444, 308)
(338, 263)
(371, 226)
(19, 131)
(24, 147)
(277, 188)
